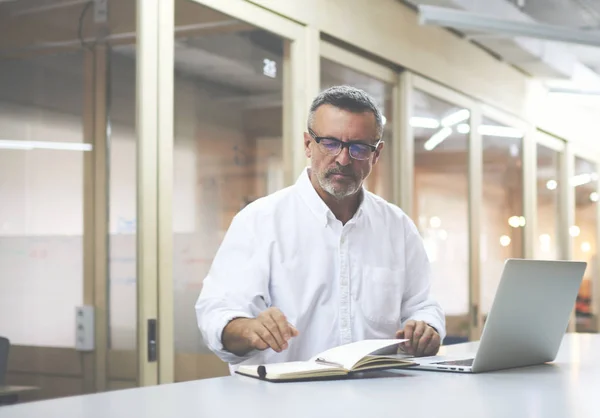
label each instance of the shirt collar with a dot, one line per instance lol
(315, 203)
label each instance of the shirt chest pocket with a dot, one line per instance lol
(379, 294)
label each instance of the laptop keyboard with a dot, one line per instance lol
(467, 362)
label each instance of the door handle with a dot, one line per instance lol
(152, 343)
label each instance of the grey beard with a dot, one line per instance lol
(337, 194)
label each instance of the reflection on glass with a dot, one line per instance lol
(333, 74)
(548, 191)
(502, 216)
(441, 203)
(227, 153)
(122, 286)
(41, 198)
(583, 234)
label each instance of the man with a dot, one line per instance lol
(324, 262)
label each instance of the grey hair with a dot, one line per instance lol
(347, 98)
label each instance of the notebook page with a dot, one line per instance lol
(295, 367)
(349, 354)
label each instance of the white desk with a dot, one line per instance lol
(568, 388)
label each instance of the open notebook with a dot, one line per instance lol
(360, 356)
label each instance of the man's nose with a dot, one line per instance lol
(343, 157)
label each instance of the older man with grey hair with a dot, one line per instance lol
(323, 262)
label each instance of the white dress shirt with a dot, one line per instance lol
(336, 283)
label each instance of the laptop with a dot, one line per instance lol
(527, 321)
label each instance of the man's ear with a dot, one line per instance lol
(307, 141)
(377, 152)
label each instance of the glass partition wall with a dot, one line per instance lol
(550, 189)
(441, 202)
(68, 187)
(584, 239)
(503, 217)
(228, 151)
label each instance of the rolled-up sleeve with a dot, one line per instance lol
(236, 285)
(417, 303)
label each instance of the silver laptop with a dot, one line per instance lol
(527, 321)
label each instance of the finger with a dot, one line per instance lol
(433, 346)
(294, 331)
(424, 341)
(407, 333)
(409, 328)
(417, 333)
(403, 347)
(282, 324)
(268, 337)
(273, 329)
(257, 342)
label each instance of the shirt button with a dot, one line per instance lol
(343, 240)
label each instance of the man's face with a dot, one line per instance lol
(341, 176)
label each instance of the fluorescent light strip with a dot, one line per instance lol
(421, 122)
(573, 92)
(30, 145)
(437, 138)
(505, 132)
(455, 118)
(463, 128)
(581, 179)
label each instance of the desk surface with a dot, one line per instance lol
(569, 387)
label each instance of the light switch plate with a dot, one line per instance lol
(100, 11)
(84, 328)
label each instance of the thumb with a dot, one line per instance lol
(400, 334)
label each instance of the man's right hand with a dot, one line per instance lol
(269, 329)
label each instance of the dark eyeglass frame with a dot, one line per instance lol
(343, 145)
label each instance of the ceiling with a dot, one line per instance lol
(558, 64)
(582, 14)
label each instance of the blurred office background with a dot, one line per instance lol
(131, 132)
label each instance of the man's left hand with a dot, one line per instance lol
(423, 339)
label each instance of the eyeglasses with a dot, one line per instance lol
(333, 146)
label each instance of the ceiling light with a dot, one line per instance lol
(437, 138)
(420, 122)
(581, 179)
(30, 145)
(456, 117)
(514, 221)
(505, 132)
(463, 128)
(586, 247)
(594, 196)
(383, 120)
(574, 231)
(551, 184)
(435, 222)
(562, 92)
(505, 240)
(466, 21)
